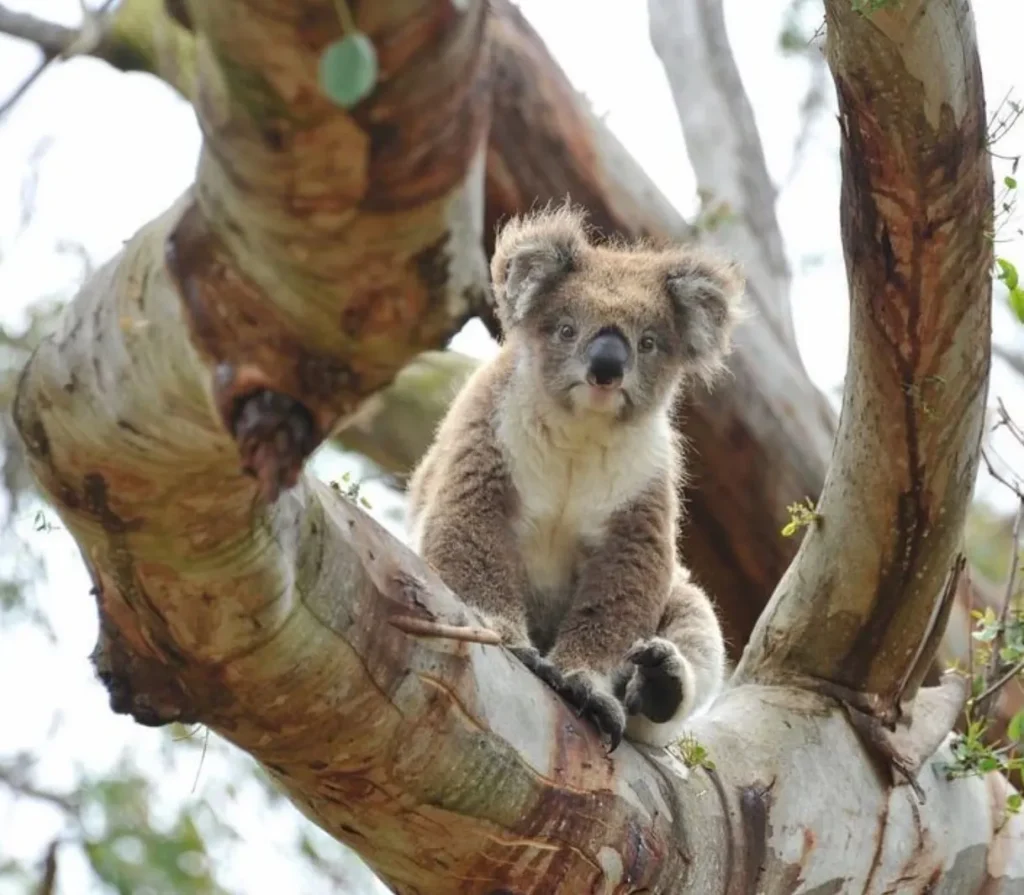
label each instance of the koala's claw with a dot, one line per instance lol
(600, 709)
(652, 653)
(540, 666)
(651, 682)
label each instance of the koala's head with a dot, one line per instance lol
(612, 328)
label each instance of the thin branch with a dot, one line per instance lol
(51, 37)
(1004, 611)
(999, 477)
(84, 42)
(997, 685)
(15, 781)
(47, 885)
(724, 146)
(422, 627)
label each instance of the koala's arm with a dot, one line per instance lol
(621, 587)
(461, 498)
(666, 677)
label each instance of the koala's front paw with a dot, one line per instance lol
(602, 709)
(653, 682)
(530, 656)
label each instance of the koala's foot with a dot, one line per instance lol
(577, 688)
(656, 686)
(275, 435)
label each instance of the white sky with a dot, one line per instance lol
(124, 146)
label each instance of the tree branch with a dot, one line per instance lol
(50, 37)
(862, 595)
(445, 763)
(724, 147)
(759, 442)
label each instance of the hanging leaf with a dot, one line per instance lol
(1015, 729)
(1017, 302)
(348, 70)
(1007, 273)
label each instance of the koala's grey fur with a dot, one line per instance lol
(551, 507)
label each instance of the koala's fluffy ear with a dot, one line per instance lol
(707, 295)
(533, 253)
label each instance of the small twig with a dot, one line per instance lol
(1000, 478)
(48, 883)
(970, 623)
(85, 41)
(1006, 678)
(348, 24)
(1007, 421)
(18, 784)
(985, 706)
(421, 627)
(202, 757)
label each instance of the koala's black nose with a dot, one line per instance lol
(606, 359)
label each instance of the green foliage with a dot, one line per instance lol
(132, 854)
(1004, 119)
(694, 754)
(713, 213)
(350, 489)
(795, 35)
(997, 659)
(801, 515)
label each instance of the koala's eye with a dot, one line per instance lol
(567, 332)
(646, 344)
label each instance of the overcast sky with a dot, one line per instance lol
(122, 147)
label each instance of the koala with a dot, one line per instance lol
(548, 498)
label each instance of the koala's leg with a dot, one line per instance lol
(460, 498)
(667, 676)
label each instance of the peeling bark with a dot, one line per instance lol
(443, 762)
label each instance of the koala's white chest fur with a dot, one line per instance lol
(570, 477)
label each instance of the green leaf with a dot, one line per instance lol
(1015, 729)
(1007, 273)
(1011, 182)
(988, 763)
(1017, 302)
(1014, 801)
(348, 70)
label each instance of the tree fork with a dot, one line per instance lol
(443, 762)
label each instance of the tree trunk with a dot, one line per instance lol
(319, 252)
